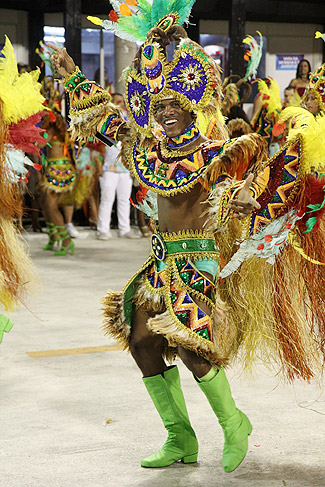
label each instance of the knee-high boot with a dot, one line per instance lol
(167, 396)
(235, 424)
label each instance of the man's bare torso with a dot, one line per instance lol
(183, 211)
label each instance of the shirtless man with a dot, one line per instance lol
(171, 306)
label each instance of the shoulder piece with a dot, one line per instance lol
(169, 176)
(280, 180)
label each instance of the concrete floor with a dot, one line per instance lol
(55, 409)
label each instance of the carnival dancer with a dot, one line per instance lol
(192, 252)
(20, 109)
(59, 179)
(89, 163)
(59, 171)
(314, 97)
(174, 305)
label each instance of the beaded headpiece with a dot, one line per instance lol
(192, 77)
(316, 86)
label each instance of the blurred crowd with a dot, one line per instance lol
(86, 184)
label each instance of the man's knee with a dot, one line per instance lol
(195, 363)
(140, 344)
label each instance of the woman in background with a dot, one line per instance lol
(300, 82)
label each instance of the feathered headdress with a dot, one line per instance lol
(44, 53)
(132, 19)
(253, 55)
(20, 93)
(317, 86)
(192, 77)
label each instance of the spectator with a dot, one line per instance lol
(108, 84)
(300, 82)
(115, 181)
(289, 93)
(23, 68)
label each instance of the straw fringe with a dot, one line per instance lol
(274, 313)
(238, 127)
(114, 323)
(167, 326)
(145, 297)
(246, 154)
(17, 273)
(84, 125)
(231, 99)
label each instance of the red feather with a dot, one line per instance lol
(140, 195)
(113, 16)
(313, 194)
(24, 134)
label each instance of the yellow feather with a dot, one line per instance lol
(20, 93)
(312, 132)
(95, 20)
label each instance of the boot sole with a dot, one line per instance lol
(190, 458)
(187, 459)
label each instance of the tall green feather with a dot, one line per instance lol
(137, 26)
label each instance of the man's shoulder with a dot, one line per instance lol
(214, 148)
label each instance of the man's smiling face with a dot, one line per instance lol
(171, 116)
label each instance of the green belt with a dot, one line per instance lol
(161, 248)
(60, 160)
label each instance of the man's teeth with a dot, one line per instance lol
(169, 122)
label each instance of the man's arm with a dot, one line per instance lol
(91, 111)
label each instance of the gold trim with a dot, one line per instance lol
(170, 153)
(158, 291)
(168, 192)
(187, 234)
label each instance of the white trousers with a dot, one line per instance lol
(120, 185)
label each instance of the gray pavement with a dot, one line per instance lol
(85, 419)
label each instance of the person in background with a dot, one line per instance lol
(68, 211)
(314, 99)
(58, 181)
(300, 82)
(289, 92)
(118, 100)
(23, 68)
(107, 84)
(115, 181)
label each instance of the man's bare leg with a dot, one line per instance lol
(214, 384)
(199, 366)
(164, 388)
(145, 346)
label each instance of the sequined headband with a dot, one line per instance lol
(191, 77)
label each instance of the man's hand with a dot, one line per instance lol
(61, 61)
(245, 203)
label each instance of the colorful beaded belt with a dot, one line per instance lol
(182, 243)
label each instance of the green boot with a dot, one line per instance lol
(167, 396)
(235, 424)
(51, 231)
(63, 235)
